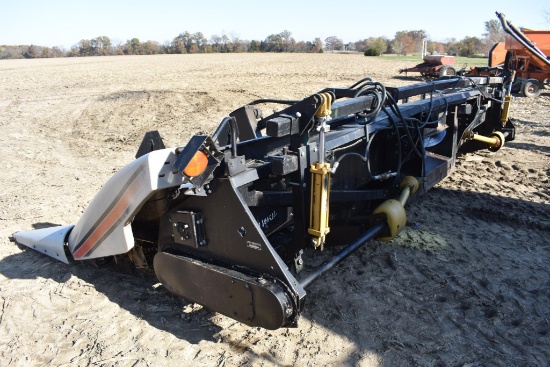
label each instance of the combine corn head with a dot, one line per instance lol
(224, 220)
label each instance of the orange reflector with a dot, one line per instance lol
(197, 165)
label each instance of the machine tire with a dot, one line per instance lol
(530, 88)
(447, 70)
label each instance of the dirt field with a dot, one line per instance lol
(466, 284)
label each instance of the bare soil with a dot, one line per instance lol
(466, 284)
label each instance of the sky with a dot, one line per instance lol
(65, 22)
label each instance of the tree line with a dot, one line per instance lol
(404, 42)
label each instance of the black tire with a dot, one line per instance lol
(530, 88)
(447, 71)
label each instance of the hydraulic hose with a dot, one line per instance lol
(234, 133)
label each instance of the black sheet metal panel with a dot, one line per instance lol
(246, 122)
(151, 141)
(250, 300)
(233, 234)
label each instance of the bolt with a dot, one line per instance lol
(202, 243)
(300, 262)
(298, 115)
(175, 224)
(181, 238)
(185, 225)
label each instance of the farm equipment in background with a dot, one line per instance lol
(434, 66)
(527, 53)
(224, 220)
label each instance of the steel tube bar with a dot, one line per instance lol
(342, 255)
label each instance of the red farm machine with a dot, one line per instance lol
(527, 53)
(434, 66)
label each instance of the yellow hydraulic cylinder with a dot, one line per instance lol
(505, 109)
(324, 109)
(320, 180)
(319, 209)
(507, 101)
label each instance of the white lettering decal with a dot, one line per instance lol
(264, 222)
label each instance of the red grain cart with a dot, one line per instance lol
(434, 66)
(527, 52)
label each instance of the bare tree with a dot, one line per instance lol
(273, 43)
(334, 43)
(117, 47)
(317, 45)
(493, 34)
(225, 43)
(470, 46)
(403, 43)
(236, 42)
(216, 42)
(286, 37)
(200, 41)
